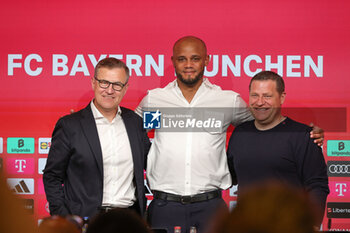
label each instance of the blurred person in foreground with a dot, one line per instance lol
(97, 156)
(270, 208)
(118, 221)
(13, 217)
(274, 147)
(58, 224)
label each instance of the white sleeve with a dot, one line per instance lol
(142, 106)
(241, 111)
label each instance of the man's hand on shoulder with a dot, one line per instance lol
(317, 134)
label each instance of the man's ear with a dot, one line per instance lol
(207, 59)
(92, 83)
(126, 87)
(283, 97)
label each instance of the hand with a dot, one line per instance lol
(317, 133)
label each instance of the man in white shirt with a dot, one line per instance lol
(98, 154)
(187, 170)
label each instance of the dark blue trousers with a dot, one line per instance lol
(168, 214)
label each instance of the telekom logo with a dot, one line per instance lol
(340, 188)
(20, 164)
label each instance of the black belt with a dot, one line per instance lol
(187, 199)
(105, 209)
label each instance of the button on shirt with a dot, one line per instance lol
(188, 163)
(118, 167)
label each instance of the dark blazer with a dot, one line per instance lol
(73, 176)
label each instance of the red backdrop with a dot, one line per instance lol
(49, 49)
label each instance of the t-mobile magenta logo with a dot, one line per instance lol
(20, 166)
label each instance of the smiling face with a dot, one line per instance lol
(107, 100)
(189, 60)
(265, 103)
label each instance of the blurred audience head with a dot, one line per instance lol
(118, 220)
(58, 224)
(14, 218)
(270, 208)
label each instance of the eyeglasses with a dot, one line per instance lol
(117, 86)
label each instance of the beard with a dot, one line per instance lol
(190, 81)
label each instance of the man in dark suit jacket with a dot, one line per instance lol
(98, 154)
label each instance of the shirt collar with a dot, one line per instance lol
(203, 87)
(204, 83)
(97, 114)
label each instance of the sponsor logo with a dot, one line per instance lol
(338, 210)
(338, 148)
(233, 191)
(41, 165)
(44, 145)
(148, 202)
(338, 168)
(151, 120)
(148, 191)
(20, 165)
(28, 205)
(20, 145)
(21, 186)
(1, 145)
(339, 189)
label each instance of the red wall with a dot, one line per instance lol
(36, 89)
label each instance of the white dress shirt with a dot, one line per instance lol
(188, 163)
(118, 166)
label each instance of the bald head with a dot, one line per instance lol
(190, 40)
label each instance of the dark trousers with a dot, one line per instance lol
(164, 214)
